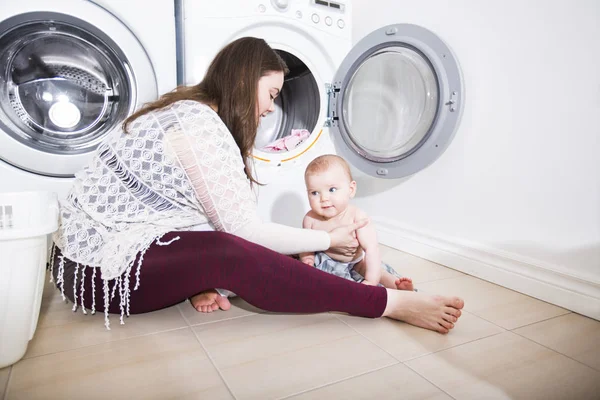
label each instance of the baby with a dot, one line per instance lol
(330, 187)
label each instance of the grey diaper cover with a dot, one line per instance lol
(345, 269)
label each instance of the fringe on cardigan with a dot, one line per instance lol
(121, 283)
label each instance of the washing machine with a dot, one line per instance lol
(390, 105)
(71, 72)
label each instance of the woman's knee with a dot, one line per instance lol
(234, 243)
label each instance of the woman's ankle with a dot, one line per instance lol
(392, 302)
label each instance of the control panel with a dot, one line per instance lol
(319, 12)
(329, 16)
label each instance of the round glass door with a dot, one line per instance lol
(65, 84)
(396, 101)
(390, 104)
(65, 87)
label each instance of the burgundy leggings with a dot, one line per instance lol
(200, 261)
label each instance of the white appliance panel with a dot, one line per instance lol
(44, 159)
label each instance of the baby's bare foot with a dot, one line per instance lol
(437, 313)
(404, 284)
(209, 301)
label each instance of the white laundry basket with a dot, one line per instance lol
(26, 219)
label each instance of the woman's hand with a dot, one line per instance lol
(343, 238)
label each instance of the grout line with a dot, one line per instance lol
(556, 351)
(124, 338)
(453, 347)
(106, 342)
(542, 320)
(426, 354)
(183, 316)
(368, 339)
(212, 322)
(437, 280)
(221, 320)
(518, 327)
(338, 381)
(486, 320)
(212, 361)
(439, 388)
(5, 391)
(423, 355)
(401, 362)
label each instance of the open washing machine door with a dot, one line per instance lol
(71, 72)
(396, 101)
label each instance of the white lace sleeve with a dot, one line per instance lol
(208, 153)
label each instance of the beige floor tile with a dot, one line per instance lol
(573, 335)
(239, 308)
(160, 366)
(78, 330)
(405, 341)
(395, 382)
(418, 269)
(494, 303)
(303, 369)
(264, 335)
(507, 366)
(55, 311)
(275, 355)
(4, 374)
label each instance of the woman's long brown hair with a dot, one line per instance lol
(231, 84)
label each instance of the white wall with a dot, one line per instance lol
(521, 180)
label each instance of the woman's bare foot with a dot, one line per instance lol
(404, 283)
(209, 301)
(437, 313)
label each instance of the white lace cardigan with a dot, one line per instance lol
(176, 168)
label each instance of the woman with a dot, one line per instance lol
(165, 211)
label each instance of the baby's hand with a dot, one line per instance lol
(309, 262)
(366, 282)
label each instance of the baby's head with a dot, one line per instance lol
(329, 185)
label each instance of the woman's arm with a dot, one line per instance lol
(367, 237)
(309, 256)
(207, 152)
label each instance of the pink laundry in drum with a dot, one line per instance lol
(289, 142)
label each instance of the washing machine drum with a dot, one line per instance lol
(61, 88)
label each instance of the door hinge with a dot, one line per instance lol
(332, 91)
(452, 101)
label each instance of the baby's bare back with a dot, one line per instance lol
(348, 217)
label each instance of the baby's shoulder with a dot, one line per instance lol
(356, 213)
(310, 216)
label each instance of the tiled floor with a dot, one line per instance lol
(506, 345)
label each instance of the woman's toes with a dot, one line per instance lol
(446, 324)
(223, 303)
(451, 311)
(457, 303)
(449, 318)
(442, 329)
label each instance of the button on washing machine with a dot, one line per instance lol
(298, 14)
(341, 24)
(280, 4)
(328, 21)
(262, 8)
(315, 18)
